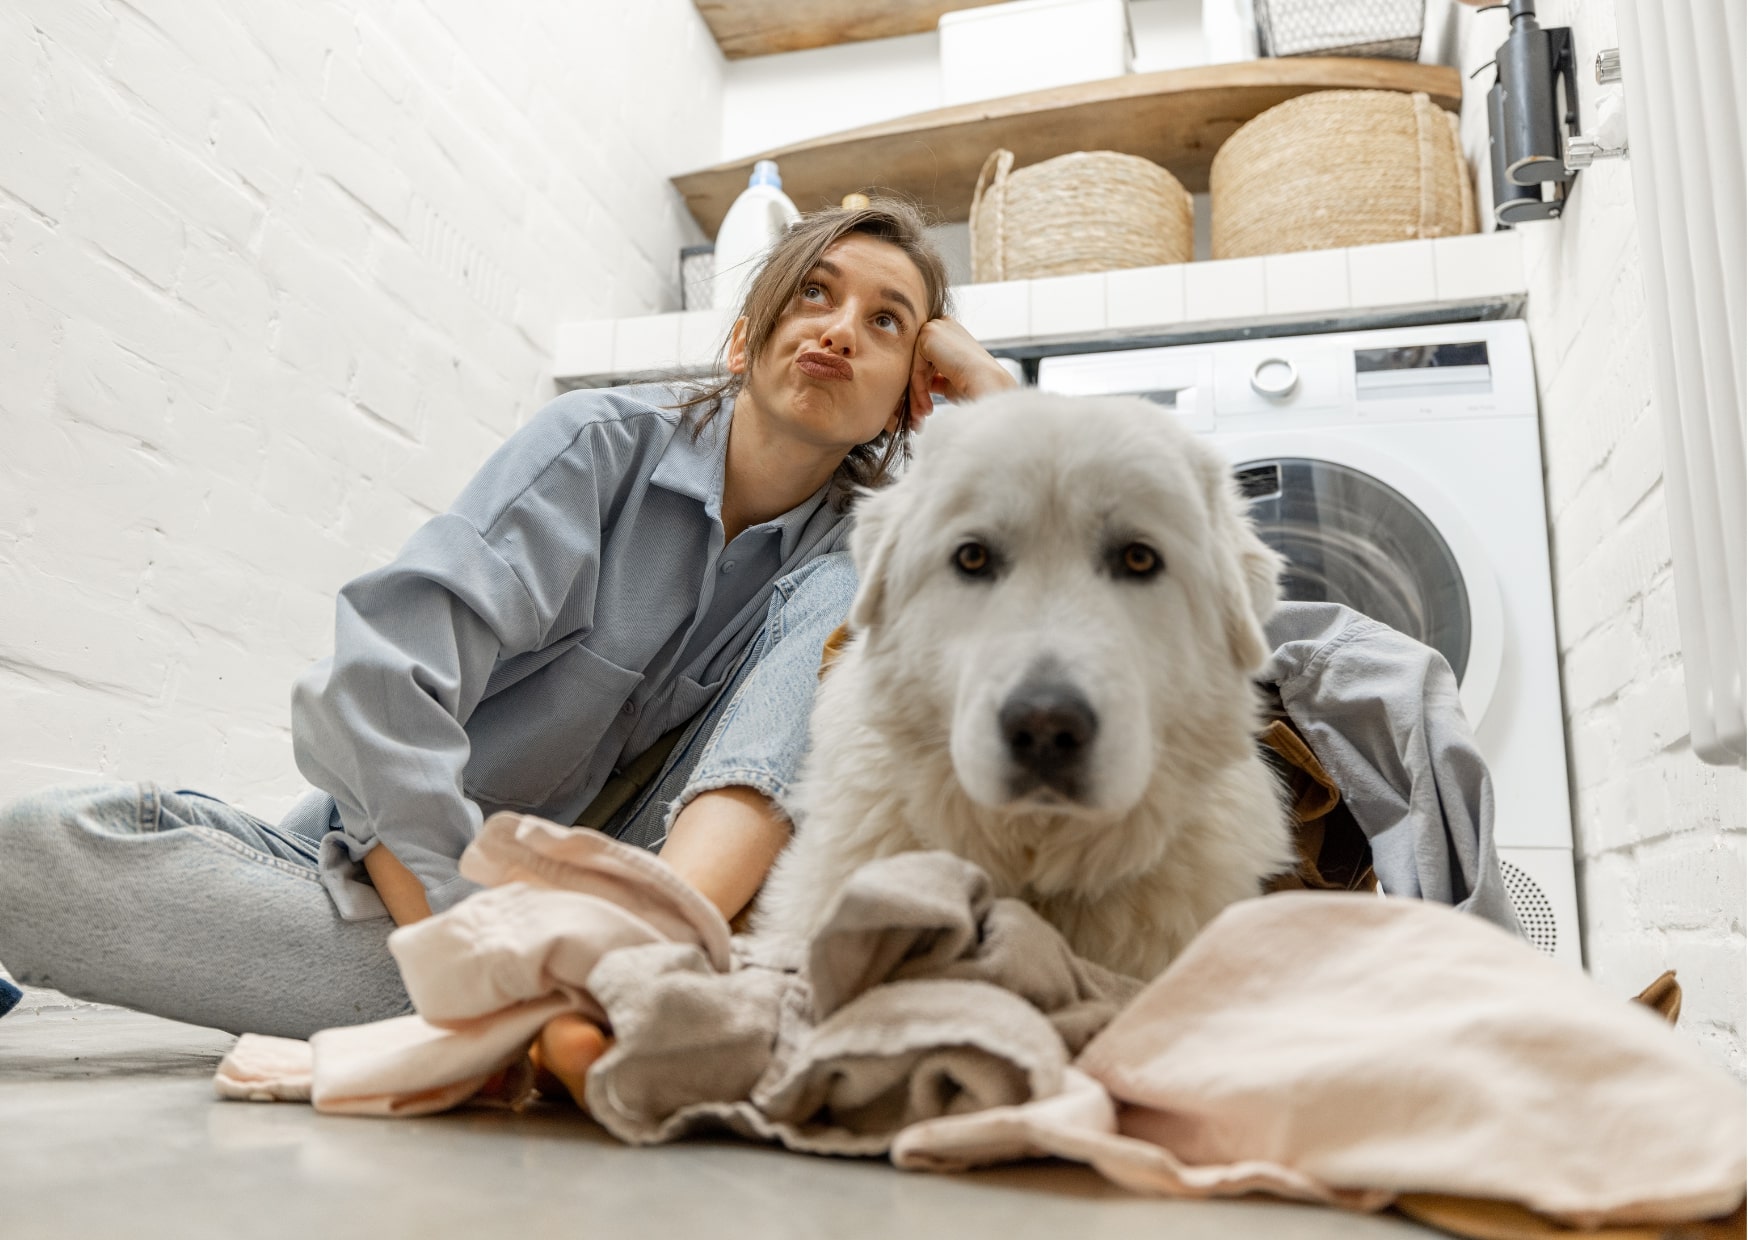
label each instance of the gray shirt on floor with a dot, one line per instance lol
(1382, 713)
(574, 604)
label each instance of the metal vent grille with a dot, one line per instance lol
(1534, 913)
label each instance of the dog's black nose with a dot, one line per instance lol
(1048, 726)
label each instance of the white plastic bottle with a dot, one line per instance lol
(756, 219)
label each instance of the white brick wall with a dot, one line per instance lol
(1659, 835)
(274, 278)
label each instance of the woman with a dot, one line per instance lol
(623, 609)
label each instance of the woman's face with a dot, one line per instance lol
(835, 369)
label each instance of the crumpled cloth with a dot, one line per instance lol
(922, 996)
(1384, 717)
(1316, 1046)
(1349, 1049)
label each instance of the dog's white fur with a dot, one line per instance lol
(1178, 816)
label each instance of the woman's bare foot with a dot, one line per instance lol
(566, 1049)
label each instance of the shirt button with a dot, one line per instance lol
(630, 708)
(728, 566)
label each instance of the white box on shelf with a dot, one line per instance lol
(1008, 49)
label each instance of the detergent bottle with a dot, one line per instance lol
(757, 218)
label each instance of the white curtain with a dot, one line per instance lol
(1682, 75)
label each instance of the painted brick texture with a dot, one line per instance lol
(1660, 835)
(274, 279)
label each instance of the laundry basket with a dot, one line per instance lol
(1340, 168)
(1085, 211)
(1388, 29)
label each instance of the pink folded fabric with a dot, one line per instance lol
(487, 974)
(519, 848)
(268, 1070)
(408, 1066)
(1349, 1049)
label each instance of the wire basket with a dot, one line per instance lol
(1387, 29)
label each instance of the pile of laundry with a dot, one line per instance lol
(1318, 1046)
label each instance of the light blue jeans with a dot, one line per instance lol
(177, 904)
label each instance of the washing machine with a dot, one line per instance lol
(1400, 472)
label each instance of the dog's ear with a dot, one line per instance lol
(871, 540)
(1248, 570)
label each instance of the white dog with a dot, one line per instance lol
(1050, 674)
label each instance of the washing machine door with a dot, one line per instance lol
(1354, 537)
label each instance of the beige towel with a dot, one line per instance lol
(923, 996)
(1348, 1049)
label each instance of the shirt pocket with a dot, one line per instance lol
(691, 697)
(527, 739)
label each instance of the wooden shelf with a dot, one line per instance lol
(760, 27)
(1176, 117)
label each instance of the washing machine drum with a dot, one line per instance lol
(1350, 539)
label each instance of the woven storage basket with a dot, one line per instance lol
(1339, 168)
(1086, 211)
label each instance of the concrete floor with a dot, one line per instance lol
(108, 1127)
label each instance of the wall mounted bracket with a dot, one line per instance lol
(1532, 114)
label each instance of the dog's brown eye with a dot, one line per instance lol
(1140, 560)
(972, 559)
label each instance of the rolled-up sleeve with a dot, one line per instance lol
(380, 725)
(763, 735)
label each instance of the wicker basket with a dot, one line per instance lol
(1086, 211)
(1339, 168)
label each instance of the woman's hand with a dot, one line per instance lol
(402, 893)
(723, 843)
(950, 363)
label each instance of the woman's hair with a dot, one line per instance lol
(779, 280)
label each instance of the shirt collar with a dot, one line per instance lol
(692, 464)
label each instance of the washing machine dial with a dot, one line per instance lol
(1275, 378)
